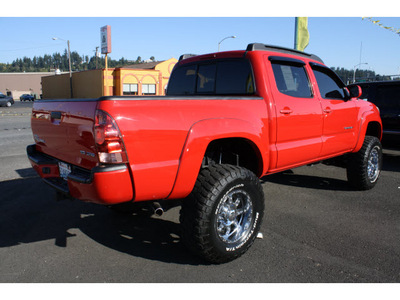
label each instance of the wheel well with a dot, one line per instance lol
(374, 129)
(234, 151)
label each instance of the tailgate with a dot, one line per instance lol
(63, 129)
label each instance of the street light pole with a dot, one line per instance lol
(228, 37)
(69, 64)
(355, 68)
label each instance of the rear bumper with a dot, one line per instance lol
(108, 184)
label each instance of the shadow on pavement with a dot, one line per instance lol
(29, 213)
(391, 163)
(289, 178)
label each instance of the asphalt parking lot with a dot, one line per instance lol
(316, 229)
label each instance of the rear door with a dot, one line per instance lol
(340, 115)
(298, 111)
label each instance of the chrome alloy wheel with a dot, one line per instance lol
(234, 216)
(373, 164)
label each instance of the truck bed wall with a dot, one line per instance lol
(161, 132)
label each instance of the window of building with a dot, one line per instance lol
(291, 79)
(148, 89)
(130, 89)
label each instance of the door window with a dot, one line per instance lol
(388, 97)
(330, 86)
(291, 80)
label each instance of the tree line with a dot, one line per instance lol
(348, 77)
(48, 63)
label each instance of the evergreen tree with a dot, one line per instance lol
(57, 60)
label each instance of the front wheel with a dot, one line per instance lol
(365, 166)
(8, 104)
(223, 214)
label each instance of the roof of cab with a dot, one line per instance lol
(250, 47)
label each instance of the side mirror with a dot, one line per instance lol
(347, 95)
(355, 91)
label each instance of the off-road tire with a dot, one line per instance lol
(221, 217)
(364, 166)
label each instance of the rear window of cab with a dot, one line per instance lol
(219, 77)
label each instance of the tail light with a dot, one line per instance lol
(109, 143)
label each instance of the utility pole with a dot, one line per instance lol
(96, 55)
(70, 69)
(69, 63)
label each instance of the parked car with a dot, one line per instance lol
(6, 100)
(386, 96)
(27, 97)
(228, 118)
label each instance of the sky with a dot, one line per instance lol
(341, 41)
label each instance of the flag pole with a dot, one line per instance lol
(295, 32)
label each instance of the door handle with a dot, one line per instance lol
(56, 115)
(286, 111)
(327, 110)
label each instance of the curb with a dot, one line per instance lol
(14, 114)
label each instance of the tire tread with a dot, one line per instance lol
(356, 169)
(197, 208)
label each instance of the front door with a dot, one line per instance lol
(298, 111)
(339, 113)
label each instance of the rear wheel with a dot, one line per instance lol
(8, 104)
(365, 166)
(223, 214)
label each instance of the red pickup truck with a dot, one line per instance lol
(228, 119)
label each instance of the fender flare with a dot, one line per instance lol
(366, 118)
(200, 135)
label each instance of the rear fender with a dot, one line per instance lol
(200, 135)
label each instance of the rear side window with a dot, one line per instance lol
(291, 80)
(388, 96)
(225, 77)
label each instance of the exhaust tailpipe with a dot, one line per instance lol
(158, 210)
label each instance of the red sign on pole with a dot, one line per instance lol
(105, 36)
